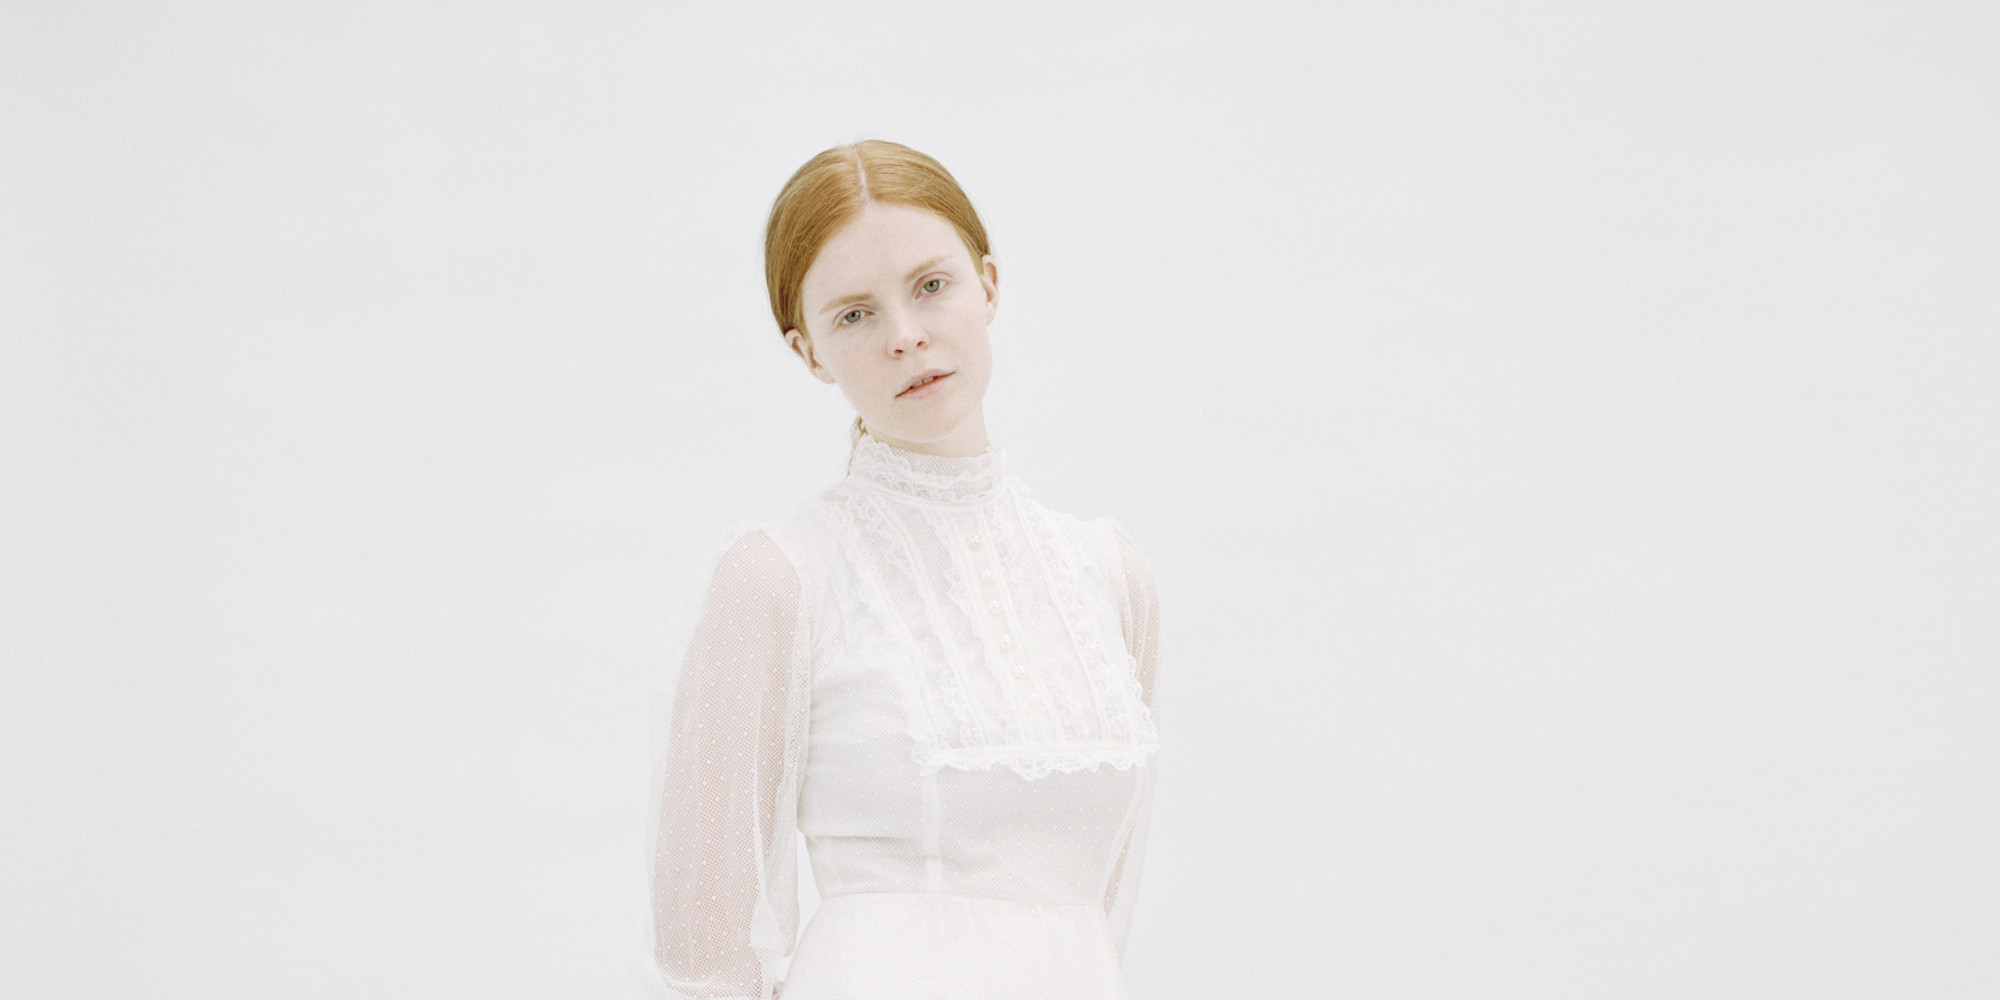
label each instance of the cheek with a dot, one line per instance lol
(850, 368)
(839, 355)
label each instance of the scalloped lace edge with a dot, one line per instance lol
(1032, 761)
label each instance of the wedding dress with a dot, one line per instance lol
(948, 689)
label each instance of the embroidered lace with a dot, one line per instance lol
(950, 690)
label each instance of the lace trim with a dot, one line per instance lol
(929, 684)
(1108, 666)
(937, 478)
(1037, 762)
(958, 569)
(1059, 696)
(1046, 719)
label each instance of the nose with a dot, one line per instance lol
(906, 330)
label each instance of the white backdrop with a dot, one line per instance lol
(1567, 437)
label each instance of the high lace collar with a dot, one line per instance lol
(935, 478)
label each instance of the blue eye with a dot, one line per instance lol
(933, 285)
(850, 316)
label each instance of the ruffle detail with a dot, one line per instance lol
(935, 478)
(1004, 622)
(1034, 764)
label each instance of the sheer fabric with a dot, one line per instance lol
(949, 690)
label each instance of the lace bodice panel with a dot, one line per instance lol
(1005, 615)
(946, 686)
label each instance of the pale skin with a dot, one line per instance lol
(893, 295)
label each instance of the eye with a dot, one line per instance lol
(933, 286)
(849, 317)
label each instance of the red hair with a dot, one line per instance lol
(828, 192)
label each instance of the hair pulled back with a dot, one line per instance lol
(827, 193)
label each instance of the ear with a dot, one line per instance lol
(802, 346)
(989, 277)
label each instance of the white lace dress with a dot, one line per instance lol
(948, 688)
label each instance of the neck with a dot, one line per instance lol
(968, 440)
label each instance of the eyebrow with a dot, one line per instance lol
(863, 297)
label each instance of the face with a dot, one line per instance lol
(894, 296)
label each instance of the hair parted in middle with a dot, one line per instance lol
(828, 192)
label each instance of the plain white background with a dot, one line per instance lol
(1565, 435)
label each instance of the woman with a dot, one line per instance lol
(945, 686)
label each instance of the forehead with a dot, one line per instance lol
(878, 248)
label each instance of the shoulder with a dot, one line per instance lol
(755, 565)
(754, 556)
(1126, 569)
(1115, 538)
(793, 535)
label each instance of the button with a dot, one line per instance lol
(985, 576)
(993, 606)
(973, 543)
(1006, 643)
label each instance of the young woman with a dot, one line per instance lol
(947, 687)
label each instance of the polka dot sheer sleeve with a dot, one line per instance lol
(1139, 612)
(724, 878)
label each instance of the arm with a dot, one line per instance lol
(724, 880)
(1140, 614)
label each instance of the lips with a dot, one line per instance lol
(923, 381)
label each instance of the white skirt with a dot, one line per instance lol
(939, 946)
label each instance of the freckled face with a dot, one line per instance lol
(892, 296)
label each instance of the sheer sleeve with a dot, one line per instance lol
(1140, 613)
(724, 860)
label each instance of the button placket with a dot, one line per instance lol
(994, 608)
(997, 609)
